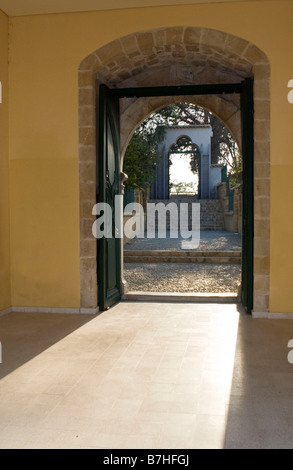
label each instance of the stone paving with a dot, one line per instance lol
(146, 376)
(185, 277)
(210, 240)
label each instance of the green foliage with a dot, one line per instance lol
(234, 175)
(194, 162)
(141, 155)
(182, 187)
(139, 162)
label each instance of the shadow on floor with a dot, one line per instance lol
(25, 335)
(259, 412)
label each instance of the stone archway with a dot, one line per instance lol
(175, 56)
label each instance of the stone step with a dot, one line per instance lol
(211, 214)
(184, 253)
(225, 298)
(164, 256)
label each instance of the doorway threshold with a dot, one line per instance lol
(207, 297)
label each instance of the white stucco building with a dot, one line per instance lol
(192, 138)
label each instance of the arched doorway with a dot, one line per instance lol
(157, 58)
(184, 149)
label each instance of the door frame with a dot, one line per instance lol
(245, 90)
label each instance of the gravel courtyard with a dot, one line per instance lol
(182, 277)
(185, 277)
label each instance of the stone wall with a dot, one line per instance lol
(232, 218)
(211, 215)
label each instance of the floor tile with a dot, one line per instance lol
(146, 375)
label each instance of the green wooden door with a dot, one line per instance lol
(108, 164)
(247, 114)
(110, 263)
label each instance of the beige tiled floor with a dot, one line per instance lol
(146, 375)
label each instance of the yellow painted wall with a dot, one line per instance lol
(45, 53)
(5, 297)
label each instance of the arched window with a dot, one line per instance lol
(184, 145)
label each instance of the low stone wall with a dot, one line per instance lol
(232, 219)
(211, 216)
(140, 198)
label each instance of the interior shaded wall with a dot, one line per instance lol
(45, 54)
(5, 294)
